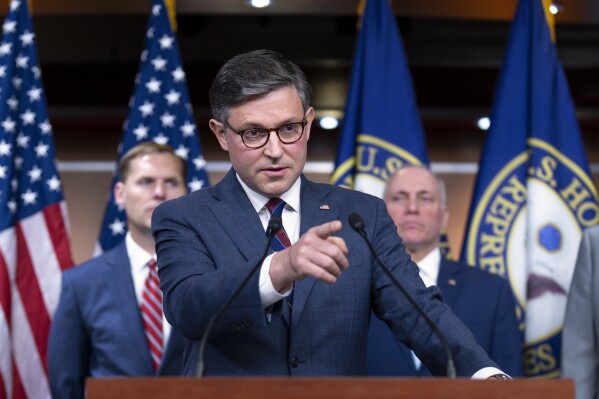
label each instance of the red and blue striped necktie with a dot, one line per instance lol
(281, 240)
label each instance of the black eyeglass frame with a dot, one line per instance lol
(303, 123)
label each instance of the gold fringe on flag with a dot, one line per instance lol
(550, 19)
(172, 14)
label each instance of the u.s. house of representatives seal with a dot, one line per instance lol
(527, 227)
(374, 162)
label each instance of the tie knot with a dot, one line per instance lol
(275, 206)
(152, 265)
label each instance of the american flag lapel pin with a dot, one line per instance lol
(325, 207)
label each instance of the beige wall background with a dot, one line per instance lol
(86, 194)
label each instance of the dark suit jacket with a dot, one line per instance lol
(98, 331)
(484, 303)
(209, 240)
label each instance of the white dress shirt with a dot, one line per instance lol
(291, 221)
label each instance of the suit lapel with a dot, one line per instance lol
(315, 210)
(237, 216)
(449, 281)
(121, 285)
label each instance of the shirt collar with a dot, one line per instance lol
(429, 266)
(138, 257)
(291, 196)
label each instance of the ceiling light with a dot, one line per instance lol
(555, 7)
(329, 122)
(484, 123)
(259, 3)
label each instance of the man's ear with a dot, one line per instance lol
(309, 119)
(218, 128)
(119, 193)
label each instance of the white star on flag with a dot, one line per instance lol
(199, 163)
(141, 132)
(23, 141)
(182, 151)
(41, 150)
(34, 94)
(28, 117)
(35, 174)
(117, 227)
(153, 85)
(54, 183)
(172, 97)
(27, 38)
(146, 109)
(159, 63)
(8, 125)
(195, 184)
(29, 197)
(188, 129)
(167, 120)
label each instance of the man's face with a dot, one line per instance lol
(272, 169)
(413, 199)
(152, 179)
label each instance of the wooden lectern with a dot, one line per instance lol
(329, 388)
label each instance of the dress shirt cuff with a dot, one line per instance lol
(485, 373)
(268, 293)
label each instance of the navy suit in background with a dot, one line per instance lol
(98, 331)
(208, 241)
(484, 303)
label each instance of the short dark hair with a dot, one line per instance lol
(145, 148)
(253, 74)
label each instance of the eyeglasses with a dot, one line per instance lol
(257, 137)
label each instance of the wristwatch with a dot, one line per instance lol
(499, 377)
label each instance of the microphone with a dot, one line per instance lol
(357, 223)
(274, 225)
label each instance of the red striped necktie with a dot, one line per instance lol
(151, 311)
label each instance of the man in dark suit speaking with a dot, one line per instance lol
(415, 199)
(306, 312)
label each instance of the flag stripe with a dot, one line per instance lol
(43, 259)
(57, 228)
(29, 365)
(18, 392)
(4, 291)
(5, 315)
(32, 297)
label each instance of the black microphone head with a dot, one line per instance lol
(356, 222)
(274, 225)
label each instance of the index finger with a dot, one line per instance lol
(327, 229)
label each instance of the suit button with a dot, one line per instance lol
(294, 362)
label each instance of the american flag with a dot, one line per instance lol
(34, 247)
(160, 111)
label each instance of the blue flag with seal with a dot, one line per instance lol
(159, 111)
(382, 131)
(533, 194)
